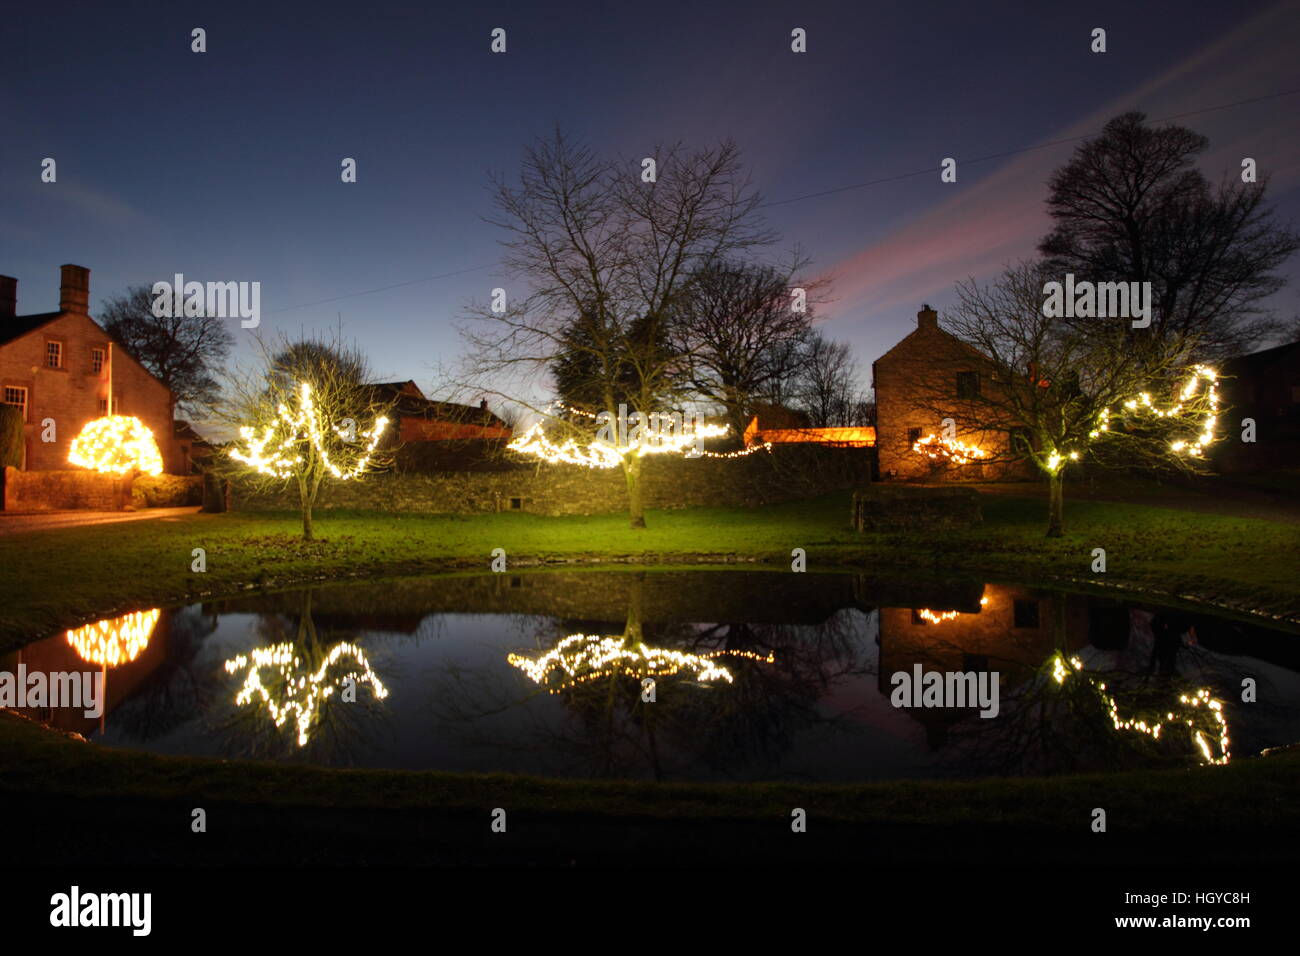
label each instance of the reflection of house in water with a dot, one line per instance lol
(127, 649)
(1011, 630)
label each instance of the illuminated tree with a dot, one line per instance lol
(1054, 391)
(306, 417)
(603, 260)
(116, 445)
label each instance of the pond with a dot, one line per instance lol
(683, 675)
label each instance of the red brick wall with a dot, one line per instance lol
(70, 395)
(419, 429)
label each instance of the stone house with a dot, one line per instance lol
(62, 367)
(422, 419)
(926, 378)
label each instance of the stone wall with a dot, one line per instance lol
(786, 473)
(64, 490)
(910, 507)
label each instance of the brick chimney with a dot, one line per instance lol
(74, 290)
(927, 318)
(8, 297)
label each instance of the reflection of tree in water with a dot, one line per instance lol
(288, 693)
(1067, 718)
(728, 697)
(179, 689)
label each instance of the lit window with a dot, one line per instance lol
(17, 397)
(54, 355)
(97, 360)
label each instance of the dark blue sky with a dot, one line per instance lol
(225, 165)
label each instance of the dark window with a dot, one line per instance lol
(103, 406)
(516, 504)
(916, 617)
(96, 360)
(913, 436)
(968, 384)
(54, 354)
(1026, 614)
(1021, 444)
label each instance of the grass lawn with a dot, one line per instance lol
(58, 578)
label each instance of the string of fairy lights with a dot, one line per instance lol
(960, 453)
(1200, 699)
(304, 694)
(294, 429)
(116, 444)
(938, 617)
(580, 658)
(948, 449)
(115, 640)
(603, 454)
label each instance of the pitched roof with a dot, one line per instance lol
(19, 325)
(408, 405)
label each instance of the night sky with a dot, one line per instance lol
(225, 165)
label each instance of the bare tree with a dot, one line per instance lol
(184, 352)
(1131, 206)
(1051, 391)
(306, 415)
(603, 262)
(742, 330)
(827, 383)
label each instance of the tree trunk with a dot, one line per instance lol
(307, 489)
(635, 506)
(1055, 506)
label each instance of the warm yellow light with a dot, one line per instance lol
(948, 449)
(114, 640)
(585, 657)
(1200, 699)
(116, 445)
(938, 617)
(601, 454)
(303, 695)
(292, 428)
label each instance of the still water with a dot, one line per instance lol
(682, 675)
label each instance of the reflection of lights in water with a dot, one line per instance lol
(312, 687)
(938, 617)
(586, 657)
(114, 640)
(1200, 699)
